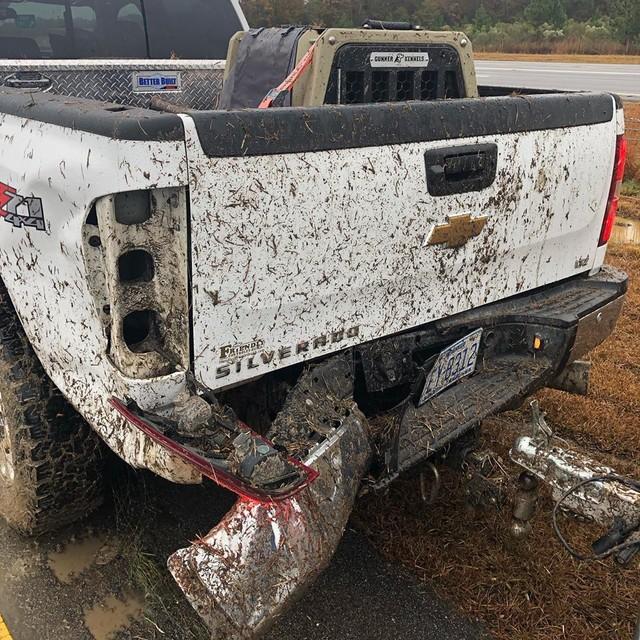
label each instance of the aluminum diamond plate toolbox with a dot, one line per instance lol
(195, 83)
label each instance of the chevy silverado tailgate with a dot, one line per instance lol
(316, 229)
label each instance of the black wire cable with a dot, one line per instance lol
(627, 482)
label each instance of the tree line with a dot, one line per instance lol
(562, 26)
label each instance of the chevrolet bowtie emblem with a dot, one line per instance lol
(458, 230)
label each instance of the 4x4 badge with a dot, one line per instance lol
(21, 211)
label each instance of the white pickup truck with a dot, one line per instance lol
(220, 291)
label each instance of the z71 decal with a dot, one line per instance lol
(21, 211)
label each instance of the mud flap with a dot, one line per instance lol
(261, 557)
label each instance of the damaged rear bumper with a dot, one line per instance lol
(243, 574)
(260, 558)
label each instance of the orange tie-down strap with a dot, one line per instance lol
(287, 84)
(4, 631)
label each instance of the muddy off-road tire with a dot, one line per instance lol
(50, 459)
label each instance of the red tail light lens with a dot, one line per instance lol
(614, 193)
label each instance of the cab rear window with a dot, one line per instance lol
(191, 29)
(70, 29)
(89, 29)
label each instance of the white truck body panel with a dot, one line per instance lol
(295, 256)
(46, 275)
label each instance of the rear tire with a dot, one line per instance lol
(50, 459)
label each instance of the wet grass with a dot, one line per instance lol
(148, 538)
(533, 590)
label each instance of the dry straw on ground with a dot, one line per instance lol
(557, 57)
(632, 117)
(630, 203)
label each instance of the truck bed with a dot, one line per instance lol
(285, 235)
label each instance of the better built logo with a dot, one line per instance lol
(157, 82)
(21, 211)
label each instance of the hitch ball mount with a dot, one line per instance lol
(580, 485)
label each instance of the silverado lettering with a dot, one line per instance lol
(256, 360)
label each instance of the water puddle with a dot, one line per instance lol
(626, 231)
(106, 618)
(78, 556)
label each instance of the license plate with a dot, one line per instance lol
(453, 364)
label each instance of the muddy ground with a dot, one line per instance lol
(105, 579)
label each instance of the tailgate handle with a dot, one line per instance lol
(28, 80)
(461, 169)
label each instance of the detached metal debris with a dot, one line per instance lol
(583, 486)
(261, 557)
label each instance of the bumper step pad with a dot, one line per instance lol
(421, 431)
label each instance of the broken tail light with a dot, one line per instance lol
(136, 248)
(231, 455)
(614, 191)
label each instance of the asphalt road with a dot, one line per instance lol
(623, 79)
(77, 584)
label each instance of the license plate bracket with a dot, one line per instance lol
(457, 361)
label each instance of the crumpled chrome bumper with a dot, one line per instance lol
(259, 559)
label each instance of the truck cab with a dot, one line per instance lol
(117, 29)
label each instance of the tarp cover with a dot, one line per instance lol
(265, 57)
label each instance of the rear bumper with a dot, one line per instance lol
(566, 306)
(570, 318)
(527, 342)
(595, 327)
